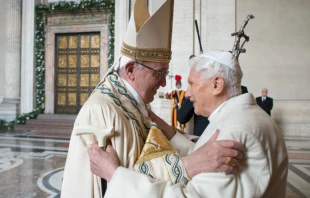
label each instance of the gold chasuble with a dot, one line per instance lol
(160, 161)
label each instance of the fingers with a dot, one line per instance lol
(93, 146)
(227, 143)
(231, 148)
(228, 152)
(214, 136)
(228, 169)
(232, 162)
(231, 166)
(221, 159)
(110, 149)
(95, 151)
(231, 144)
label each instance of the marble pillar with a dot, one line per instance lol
(10, 105)
(121, 21)
(27, 63)
(13, 34)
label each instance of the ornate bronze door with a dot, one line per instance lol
(77, 70)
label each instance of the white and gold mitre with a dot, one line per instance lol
(148, 38)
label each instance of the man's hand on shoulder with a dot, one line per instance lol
(214, 156)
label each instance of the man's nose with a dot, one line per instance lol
(163, 82)
(187, 94)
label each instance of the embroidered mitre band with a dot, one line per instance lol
(148, 38)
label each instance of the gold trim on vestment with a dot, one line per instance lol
(123, 99)
(156, 145)
(154, 155)
(146, 54)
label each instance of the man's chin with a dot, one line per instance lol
(196, 112)
(151, 99)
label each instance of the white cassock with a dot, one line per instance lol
(262, 171)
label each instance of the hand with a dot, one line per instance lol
(213, 156)
(169, 92)
(168, 130)
(103, 163)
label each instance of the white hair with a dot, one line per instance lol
(208, 68)
(123, 62)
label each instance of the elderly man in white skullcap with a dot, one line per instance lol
(215, 89)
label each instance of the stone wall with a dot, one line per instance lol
(278, 58)
(293, 117)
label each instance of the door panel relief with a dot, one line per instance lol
(77, 70)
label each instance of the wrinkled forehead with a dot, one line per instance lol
(193, 74)
(158, 65)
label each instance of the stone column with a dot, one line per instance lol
(11, 99)
(121, 21)
(27, 63)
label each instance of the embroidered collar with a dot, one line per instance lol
(114, 89)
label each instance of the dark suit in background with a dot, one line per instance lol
(244, 89)
(266, 105)
(186, 112)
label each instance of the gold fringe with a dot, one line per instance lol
(146, 54)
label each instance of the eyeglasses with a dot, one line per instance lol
(158, 74)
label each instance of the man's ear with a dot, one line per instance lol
(129, 70)
(218, 85)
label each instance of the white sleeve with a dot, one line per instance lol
(182, 144)
(128, 183)
(250, 180)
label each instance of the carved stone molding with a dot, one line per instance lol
(76, 18)
(78, 22)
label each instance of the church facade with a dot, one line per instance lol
(53, 53)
